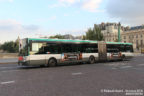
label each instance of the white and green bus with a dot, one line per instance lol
(50, 52)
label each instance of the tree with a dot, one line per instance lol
(94, 34)
(98, 34)
(10, 46)
(90, 34)
(57, 36)
(84, 37)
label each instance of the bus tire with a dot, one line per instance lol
(52, 62)
(91, 59)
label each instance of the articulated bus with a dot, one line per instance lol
(50, 52)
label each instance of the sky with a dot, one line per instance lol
(35, 18)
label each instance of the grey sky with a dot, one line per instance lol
(129, 11)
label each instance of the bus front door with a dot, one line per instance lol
(102, 51)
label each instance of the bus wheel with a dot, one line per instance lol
(52, 62)
(92, 59)
(42, 65)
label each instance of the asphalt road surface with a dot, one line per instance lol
(123, 78)
(10, 60)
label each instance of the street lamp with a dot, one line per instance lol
(119, 37)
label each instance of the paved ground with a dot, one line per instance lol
(100, 79)
(8, 60)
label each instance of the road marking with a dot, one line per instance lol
(3, 67)
(126, 67)
(78, 73)
(116, 64)
(114, 68)
(8, 82)
(8, 67)
(141, 65)
(10, 71)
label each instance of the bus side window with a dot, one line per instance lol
(121, 48)
(128, 48)
(80, 48)
(74, 47)
(52, 48)
(112, 48)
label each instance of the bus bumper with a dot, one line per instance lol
(129, 55)
(23, 63)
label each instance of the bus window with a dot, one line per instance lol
(79, 48)
(122, 48)
(90, 48)
(66, 48)
(37, 48)
(112, 48)
(75, 47)
(52, 48)
(128, 48)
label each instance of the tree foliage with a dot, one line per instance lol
(57, 36)
(10, 46)
(90, 34)
(84, 37)
(94, 34)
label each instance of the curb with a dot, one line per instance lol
(8, 62)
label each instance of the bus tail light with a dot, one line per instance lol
(20, 58)
(80, 56)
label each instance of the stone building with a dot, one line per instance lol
(110, 31)
(134, 35)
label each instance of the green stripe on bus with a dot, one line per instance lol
(118, 43)
(62, 40)
(76, 41)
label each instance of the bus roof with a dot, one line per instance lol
(74, 41)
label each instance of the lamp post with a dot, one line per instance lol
(119, 35)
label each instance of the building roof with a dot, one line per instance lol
(137, 27)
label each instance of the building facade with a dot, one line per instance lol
(110, 31)
(133, 35)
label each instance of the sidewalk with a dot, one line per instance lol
(8, 55)
(138, 54)
(8, 61)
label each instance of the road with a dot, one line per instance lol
(10, 60)
(100, 79)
